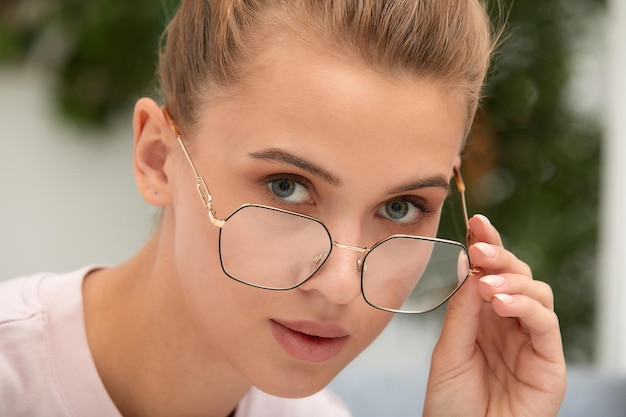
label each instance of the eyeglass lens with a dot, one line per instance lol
(274, 249)
(269, 248)
(412, 274)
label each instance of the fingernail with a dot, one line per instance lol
(505, 298)
(487, 249)
(493, 280)
(483, 219)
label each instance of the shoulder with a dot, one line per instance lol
(322, 404)
(30, 383)
(18, 298)
(24, 366)
(22, 325)
(19, 301)
(24, 298)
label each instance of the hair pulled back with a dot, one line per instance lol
(211, 43)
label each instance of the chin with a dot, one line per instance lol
(293, 389)
(297, 384)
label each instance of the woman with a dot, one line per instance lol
(338, 126)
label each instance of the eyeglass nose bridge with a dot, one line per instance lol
(359, 262)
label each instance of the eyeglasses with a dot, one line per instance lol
(276, 249)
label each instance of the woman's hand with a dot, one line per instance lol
(500, 351)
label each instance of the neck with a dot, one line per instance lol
(146, 347)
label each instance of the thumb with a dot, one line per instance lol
(462, 320)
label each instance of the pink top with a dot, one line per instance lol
(46, 368)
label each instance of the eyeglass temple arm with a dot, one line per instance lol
(460, 184)
(201, 187)
(206, 198)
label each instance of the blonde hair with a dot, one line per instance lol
(211, 43)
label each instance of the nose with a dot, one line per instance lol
(339, 278)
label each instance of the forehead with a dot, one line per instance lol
(334, 108)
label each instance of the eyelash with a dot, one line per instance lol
(425, 209)
(267, 180)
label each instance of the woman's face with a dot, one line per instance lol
(368, 155)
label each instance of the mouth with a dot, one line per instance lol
(309, 341)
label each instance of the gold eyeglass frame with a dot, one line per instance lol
(206, 199)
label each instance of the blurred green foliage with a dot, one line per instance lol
(539, 182)
(530, 165)
(101, 52)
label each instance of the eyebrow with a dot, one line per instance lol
(437, 181)
(288, 158)
(279, 155)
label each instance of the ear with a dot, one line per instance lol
(152, 139)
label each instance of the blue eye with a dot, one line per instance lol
(400, 211)
(289, 190)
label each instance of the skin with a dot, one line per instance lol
(500, 351)
(171, 322)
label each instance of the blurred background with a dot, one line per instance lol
(543, 161)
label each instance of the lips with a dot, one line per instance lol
(309, 341)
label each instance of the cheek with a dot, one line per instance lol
(371, 323)
(210, 294)
(226, 313)
(195, 249)
(231, 318)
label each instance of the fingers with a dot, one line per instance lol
(488, 253)
(541, 323)
(462, 322)
(503, 272)
(483, 231)
(506, 282)
(511, 284)
(494, 259)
